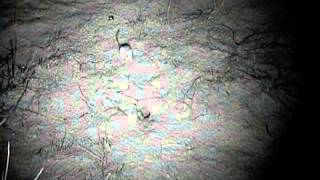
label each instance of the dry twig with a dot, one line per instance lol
(7, 165)
(168, 11)
(39, 174)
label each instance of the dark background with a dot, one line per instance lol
(292, 158)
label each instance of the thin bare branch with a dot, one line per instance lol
(39, 173)
(8, 159)
(168, 11)
(3, 121)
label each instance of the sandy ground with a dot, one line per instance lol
(206, 95)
